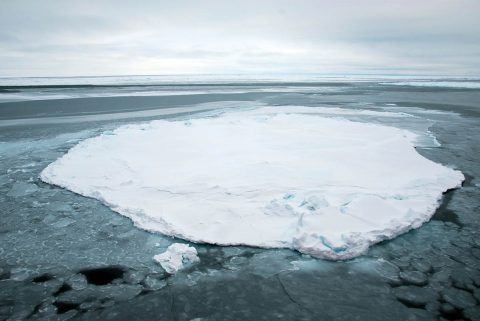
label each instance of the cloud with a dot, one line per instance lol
(212, 36)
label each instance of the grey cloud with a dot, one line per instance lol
(345, 36)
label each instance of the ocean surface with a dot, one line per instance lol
(64, 256)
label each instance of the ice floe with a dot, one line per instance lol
(279, 177)
(176, 257)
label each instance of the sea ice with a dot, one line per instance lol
(176, 257)
(21, 189)
(279, 177)
(445, 84)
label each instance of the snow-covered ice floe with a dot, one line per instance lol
(176, 257)
(275, 177)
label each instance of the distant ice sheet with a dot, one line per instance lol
(284, 177)
(445, 84)
(211, 79)
(62, 93)
(170, 79)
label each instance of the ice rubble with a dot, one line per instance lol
(279, 177)
(176, 257)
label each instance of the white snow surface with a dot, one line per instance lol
(176, 257)
(274, 177)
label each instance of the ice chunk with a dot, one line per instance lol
(283, 177)
(176, 257)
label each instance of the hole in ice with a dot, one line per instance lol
(63, 307)
(43, 278)
(454, 314)
(103, 276)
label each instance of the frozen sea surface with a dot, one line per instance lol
(445, 84)
(64, 256)
(275, 177)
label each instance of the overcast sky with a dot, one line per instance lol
(67, 38)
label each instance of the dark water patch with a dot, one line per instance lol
(106, 105)
(104, 275)
(8, 91)
(452, 315)
(63, 307)
(43, 278)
